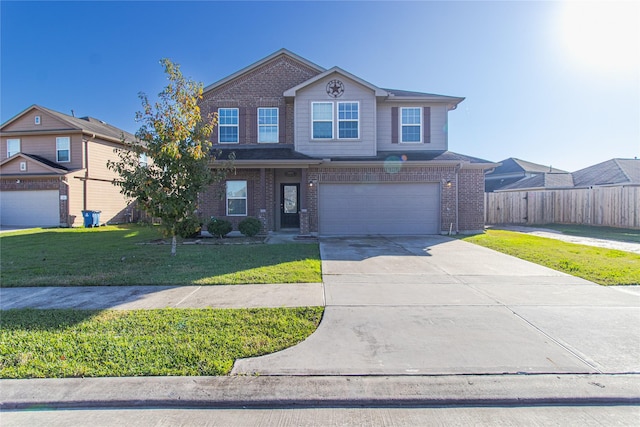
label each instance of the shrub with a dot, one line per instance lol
(189, 227)
(250, 226)
(219, 227)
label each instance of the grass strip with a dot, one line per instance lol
(123, 255)
(93, 343)
(599, 265)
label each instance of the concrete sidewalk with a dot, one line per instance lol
(148, 297)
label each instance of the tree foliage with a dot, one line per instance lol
(174, 141)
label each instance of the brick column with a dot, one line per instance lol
(304, 222)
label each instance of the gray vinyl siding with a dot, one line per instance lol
(363, 146)
(438, 128)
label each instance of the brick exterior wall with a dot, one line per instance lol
(212, 202)
(261, 87)
(471, 200)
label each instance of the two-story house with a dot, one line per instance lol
(54, 166)
(328, 153)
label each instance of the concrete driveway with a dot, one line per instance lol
(434, 305)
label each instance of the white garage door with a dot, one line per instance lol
(30, 208)
(394, 209)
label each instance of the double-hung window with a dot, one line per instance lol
(228, 125)
(13, 147)
(411, 124)
(63, 149)
(322, 118)
(237, 198)
(267, 125)
(348, 120)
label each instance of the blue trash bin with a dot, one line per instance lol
(88, 218)
(91, 218)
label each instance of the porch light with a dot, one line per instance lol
(448, 184)
(311, 183)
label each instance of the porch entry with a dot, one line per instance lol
(290, 206)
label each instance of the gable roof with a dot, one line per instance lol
(547, 180)
(336, 70)
(513, 165)
(610, 172)
(88, 125)
(281, 52)
(47, 164)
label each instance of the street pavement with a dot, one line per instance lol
(410, 322)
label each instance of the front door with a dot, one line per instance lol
(289, 206)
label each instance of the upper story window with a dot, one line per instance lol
(63, 149)
(228, 125)
(322, 120)
(143, 160)
(36, 120)
(267, 125)
(411, 124)
(13, 147)
(348, 120)
(237, 198)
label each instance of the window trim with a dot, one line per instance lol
(402, 125)
(348, 120)
(68, 149)
(313, 121)
(37, 120)
(245, 198)
(10, 153)
(270, 125)
(237, 125)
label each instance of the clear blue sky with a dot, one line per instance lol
(556, 83)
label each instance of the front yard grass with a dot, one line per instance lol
(125, 255)
(599, 265)
(92, 343)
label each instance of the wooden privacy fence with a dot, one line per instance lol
(609, 206)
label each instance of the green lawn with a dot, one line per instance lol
(122, 255)
(91, 343)
(599, 265)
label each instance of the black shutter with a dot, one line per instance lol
(394, 125)
(426, 130)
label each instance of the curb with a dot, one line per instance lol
(317, 392)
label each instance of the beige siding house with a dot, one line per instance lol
(54, 166)
(324, 152)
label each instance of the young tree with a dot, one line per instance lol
(175, 140)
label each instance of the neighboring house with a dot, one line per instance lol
(612, 173)
(53, 166)
(325, 152)
(512, 170)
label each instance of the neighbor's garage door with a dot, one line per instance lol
(358, 209)
(29, 208)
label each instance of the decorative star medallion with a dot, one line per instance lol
(335, 88)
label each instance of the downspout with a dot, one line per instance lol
(85, 190)
(457, 193)
(86, 174)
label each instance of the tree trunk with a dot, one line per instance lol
(173, 245)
